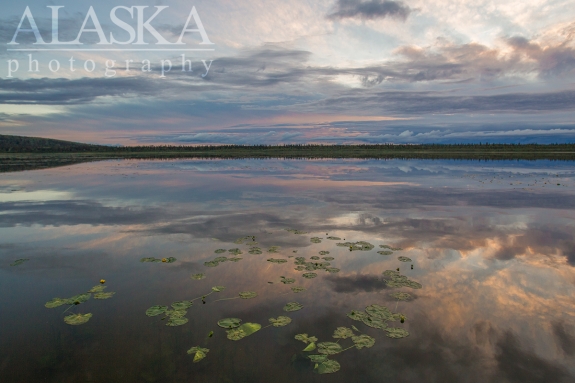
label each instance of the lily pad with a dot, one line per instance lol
(182, 305)
(300, 268)
(229, 323)
(343, 333)
(299, 261)
(244, 330)
(356, 315)
(334, 238)
(19, 262)
(360, 245)
(315, 240)
(390, 248)
(293, 231)
(323, 252)
(56, 302)
(404, 259)
(277, 260)
(287, 281)
(235, 259)
(173, 322)
(362, 341)
(398, 280)
(180, 313)
(218, 289)
(150, 259)
(317, 358)
(396, 332)
(169, 260)
(306, 338)
(329, 348)
(77, 319)
(248, 294)
(280, 321)
(332, 270)
(273, 249)
(104, 295)
(235, 251)
(220, 251)
(255, 250)
(298, 289)
(315, 258)
(211, 263)
(385, 252)
(97, 289)
(220, 259)
(375, 322)
(199, 353)
(310, 347)
(309, 275)
(156, 310)
(77, 299)
(198, 277)
(328, 367)
(401, 296)
(293, 306)
(380, 312)
(328, 258)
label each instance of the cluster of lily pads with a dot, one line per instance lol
(388, 250)
(377, 316)
(78, 319)
(324, 365)
(216, 261)
(314, 264)
(398, 280)
(236, 331)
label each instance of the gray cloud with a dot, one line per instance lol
(357, 283)
(565, 336)
(369, 10)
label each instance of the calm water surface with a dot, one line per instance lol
(492, 243)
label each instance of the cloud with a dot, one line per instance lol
(565, 336)
(357, 283)
(369, 10)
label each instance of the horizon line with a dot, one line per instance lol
(105, 50)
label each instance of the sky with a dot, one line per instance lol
(276, 72)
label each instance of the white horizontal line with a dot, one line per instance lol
(110, 50)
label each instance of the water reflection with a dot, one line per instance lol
(491, 243)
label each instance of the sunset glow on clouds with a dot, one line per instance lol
(333, 71)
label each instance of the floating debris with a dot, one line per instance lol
(104, 295)
(220, 251)
(229, 323)
(362, 341)
(401, 296)
(334, 238)
(287, 281)
(404, 259)
(385, 252)
(293, 306)
(274, 260)
(298, 289)
(328, 366)
(342, 333)
(329, 348)
(309, 275)
(156, 310)
(199, 353)
(198, 277)
(19, 262)
(361, 245)
(315, 240)
(77, 319)
(396, 332)
(280, 321)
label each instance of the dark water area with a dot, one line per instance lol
(491, 243)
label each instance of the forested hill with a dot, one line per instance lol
(19, 144)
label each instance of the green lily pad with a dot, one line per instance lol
(280, 321)
(298, 289)
(390, 248)
(156, 310)
(179, 313)
(150, 259)
(342, 333)
(218, 289)
(328, 367)
(404, 259)
(323, 252)
(362, 341)
(293, 231)
(229, 323)
(401, 296)
(220, 251)
(332, 270)
(315, 240)
(334, 238)
(299, 261)
(309, 275)
(274, 260)
(77, 319)
(315, 258)
(293, 306)
(287, 281)
(199, 353)
(97, 289)
(248, 294)
(305, 338)
(360, 245)
(317, 358)
(244, 330)
(19, 262)
(77, 299)
(328, 258)
(255, 250)
(198, 277)
(170, 260)
(396, 332)
(235, 251)
(182, 305)
(385, 252)
(380, 312)
(211, 263)
(56, 302)
(235, 259)
(173, 322)
(414, 285)
(398, 280)
(273, 249)
(329, 348)
(299, 268)
(375, 322)
(220, 259)
(310, 347)
(104, 295)
(355, 328)
(356, 315)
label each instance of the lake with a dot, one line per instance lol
(488, 274)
